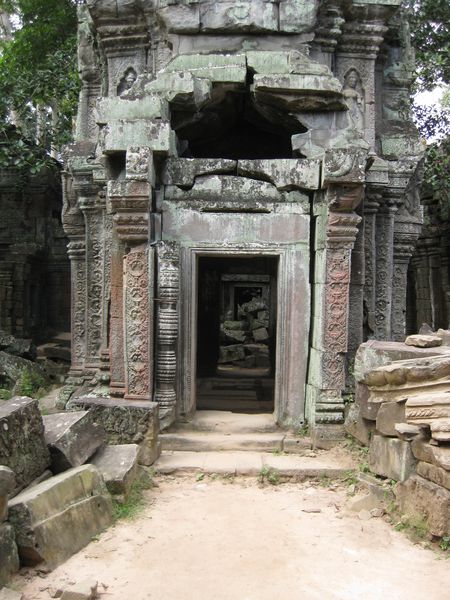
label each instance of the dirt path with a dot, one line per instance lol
(214, 540)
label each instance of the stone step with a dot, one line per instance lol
(201, 441)
(252, 463)
(219, 421)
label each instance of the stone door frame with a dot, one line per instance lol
(290, 373)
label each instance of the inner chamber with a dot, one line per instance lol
(236, 333)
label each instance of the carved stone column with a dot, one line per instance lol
(167, 330)
(384, 239)
(371, 205)
(77, 252)
(405, 238)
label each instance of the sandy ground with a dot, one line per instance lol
(212, 539)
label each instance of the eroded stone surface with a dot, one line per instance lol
(388, 415)
(9, 558)
(7, 485)
(420, 498)
(391, 457)
(58, 517)
(22, 442)
(433, 473)
(423, 341)
(72, 437)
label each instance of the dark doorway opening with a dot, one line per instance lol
(236, 333)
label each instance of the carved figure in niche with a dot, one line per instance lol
(127, 81)
(354, 96)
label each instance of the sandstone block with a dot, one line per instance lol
(369, 410)
(83, 590)
(430, 409)
(58, 517)
(126, 422)
(406, 432)
(22, 442)
(73, 438)
(229, 16)
(440, 430)
(118, 466)
(437, 475)
(297, 16)
(444, 334)
(423, 341)
(436, 455)
(9, 558)
(360, 428)
(388, 415)
(420, 498)
(7, 485)
(391, 457)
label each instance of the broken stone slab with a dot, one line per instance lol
(246, 16)
(285, 174)
(437, 475)
(12, 368)
(118, 466)
(407, 432)
(82, 590)
(22, 443)
(357, 426)
(183, 171)
(260, 335)
(388, 415)
(444, 334)
(9, 557)
(440, 430)
(17, 346)
(7, 485)
(180, 18)
(436, 455)
(369, 410)
(73, 438)
(58, 517)
(423, 341)
(382, 491)
(232, 335)
(125, 422)
(419, 498)
(407, 374)
(391, 458)
(231, 353)
(374, 354)
(297, 16)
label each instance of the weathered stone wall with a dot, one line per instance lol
(34, 268)
(240, 128)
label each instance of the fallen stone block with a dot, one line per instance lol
(444, 334)
(391, 457)
(369, 410)
(431, 409)
(417, 497)
(423, 341)
(358, 427)
(118, 466)
(125, 422)
(440, 430)
(22, 443)
(73, 438)
(58, 517)
(388, 415)
(7, 485)
(433, 473)
(9, 558)
(83, 590)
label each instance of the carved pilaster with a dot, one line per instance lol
(167, 330)
(138, 322)
(77, 251)
(405, 238)
(371, 205)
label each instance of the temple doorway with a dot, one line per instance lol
(236, 333)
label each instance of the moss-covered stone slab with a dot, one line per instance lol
(22, 442)
(58, 517)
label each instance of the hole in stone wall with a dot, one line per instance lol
(235, 127)
(116, 165)
(236, 333)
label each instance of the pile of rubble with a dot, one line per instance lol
(244, 342)
(402, 412)
(58, 473)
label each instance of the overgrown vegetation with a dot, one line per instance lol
(38, 80)
(269, 475)
(31, 384)
(135, 501)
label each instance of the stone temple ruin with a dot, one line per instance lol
(230, 153)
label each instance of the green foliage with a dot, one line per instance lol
(303, 431)
(30, 383)
(444, 544)
(415, 526)
(269, 475)
(135, 501)
(5, 394)
(429, 21)
(38, 77)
